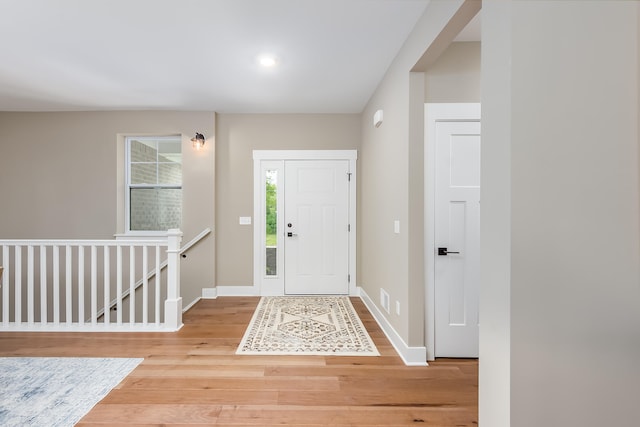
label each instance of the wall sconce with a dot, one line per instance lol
(198, 141)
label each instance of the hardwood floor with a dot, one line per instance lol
(193, 377)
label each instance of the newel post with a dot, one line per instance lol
(173, 304)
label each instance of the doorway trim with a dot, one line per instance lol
(261, 284)
(436, 112)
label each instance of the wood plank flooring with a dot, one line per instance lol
(193, 377)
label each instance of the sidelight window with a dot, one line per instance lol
(271, 222)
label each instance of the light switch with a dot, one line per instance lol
(396, 227)
(245, 220)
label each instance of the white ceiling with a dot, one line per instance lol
(61, 55)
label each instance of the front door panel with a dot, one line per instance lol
(316, 227)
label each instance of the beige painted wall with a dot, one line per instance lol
(237, 136)
(392, 171)
(59, 178)
(495, 244)
(455, 76)
(561, 240)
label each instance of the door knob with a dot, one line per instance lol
(290, 234)
(444, 251)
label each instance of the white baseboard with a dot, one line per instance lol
(229, 291)
(237, 291)
(209, 293)
(184, 310)
(412, 356)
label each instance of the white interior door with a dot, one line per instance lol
(457, 238)
(316, 227)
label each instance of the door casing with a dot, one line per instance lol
(435, 112)
(262, 284)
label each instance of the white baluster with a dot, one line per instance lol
(5, 285)
(68, 293)
(94, 285)
(132, 285)
(158, 276)
(17, 285)
(106, 316)
(119, 284)
(81, 285)
(56, 284)
(43, 285)
(30, 291)
(145, 284)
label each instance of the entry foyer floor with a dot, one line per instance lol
(194, 377)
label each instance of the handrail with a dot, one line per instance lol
(152, 273)
(78, 242)
(195, 240)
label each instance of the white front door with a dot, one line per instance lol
(457, 238)
(316, 227)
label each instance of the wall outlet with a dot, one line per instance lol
(384, 300)
(245, 220)
(398, 308)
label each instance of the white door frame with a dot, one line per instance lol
(436, 112)
(262, 284)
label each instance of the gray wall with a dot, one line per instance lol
(455, 76)
(560, 297)
(237, 136)
(61, 176)
(393, 169)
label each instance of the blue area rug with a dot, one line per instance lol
(54, 391)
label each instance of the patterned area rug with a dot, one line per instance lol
(309, 325)
(54, 391)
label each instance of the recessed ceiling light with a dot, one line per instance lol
(267, 61)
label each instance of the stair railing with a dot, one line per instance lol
(63, 285)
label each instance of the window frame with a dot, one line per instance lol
(128, 186)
